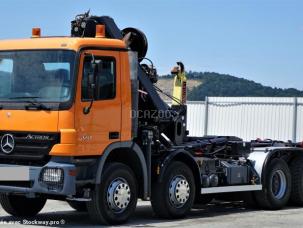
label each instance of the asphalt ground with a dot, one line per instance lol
(214, 215)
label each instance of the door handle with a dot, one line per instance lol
(114, 135)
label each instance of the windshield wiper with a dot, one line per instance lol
(23, 97)
(33, 103)
(36, 105)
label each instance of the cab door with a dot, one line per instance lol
(102, 125)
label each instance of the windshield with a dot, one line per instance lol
(45, 76)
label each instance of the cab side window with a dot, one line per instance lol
(106, 78)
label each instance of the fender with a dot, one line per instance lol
(136, 149)
(261, 157)
(189, 159)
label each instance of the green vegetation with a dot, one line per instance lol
(215, 84)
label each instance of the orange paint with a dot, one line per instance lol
(81, 135)
(36, 32)
(22, 120)
(100, 31)
(105, 116)
(68, 43)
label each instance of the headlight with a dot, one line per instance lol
(52, 175)
(53, 178)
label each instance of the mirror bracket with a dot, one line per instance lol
(92, 86)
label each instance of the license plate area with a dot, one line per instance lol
(11, 173)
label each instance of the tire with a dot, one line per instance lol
(78, 206)
(296, 168)
(165, 201)
(276, 186)
(105, 207)
(16, 205)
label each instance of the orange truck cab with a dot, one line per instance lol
(52, 141)
(44, 90)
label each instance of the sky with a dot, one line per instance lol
(260, 40)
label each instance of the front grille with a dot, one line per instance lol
(30, 147)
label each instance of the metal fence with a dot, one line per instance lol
(247, 117)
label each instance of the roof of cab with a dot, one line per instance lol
(69, 43)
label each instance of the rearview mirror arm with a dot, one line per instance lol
(87, 109)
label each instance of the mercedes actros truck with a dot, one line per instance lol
(81, 120)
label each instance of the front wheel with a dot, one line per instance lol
(276, 186)
(173, 197)
(17, 205)
(115, 199)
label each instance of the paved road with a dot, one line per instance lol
(215, 215)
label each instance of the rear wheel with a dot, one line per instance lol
(276, 186)
(174, 196)
(115, 199)
(21, 206)
(296, 168)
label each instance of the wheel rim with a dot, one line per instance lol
(118, 195)
(179, 191)
(278, 184)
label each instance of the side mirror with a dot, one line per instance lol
(92, 80)
(91, 85)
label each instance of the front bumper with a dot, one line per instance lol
(68, 187)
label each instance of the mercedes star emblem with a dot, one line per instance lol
(7, 143)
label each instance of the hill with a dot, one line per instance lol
(215, 84)
(166, 84)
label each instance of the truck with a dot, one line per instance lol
(82, 121)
